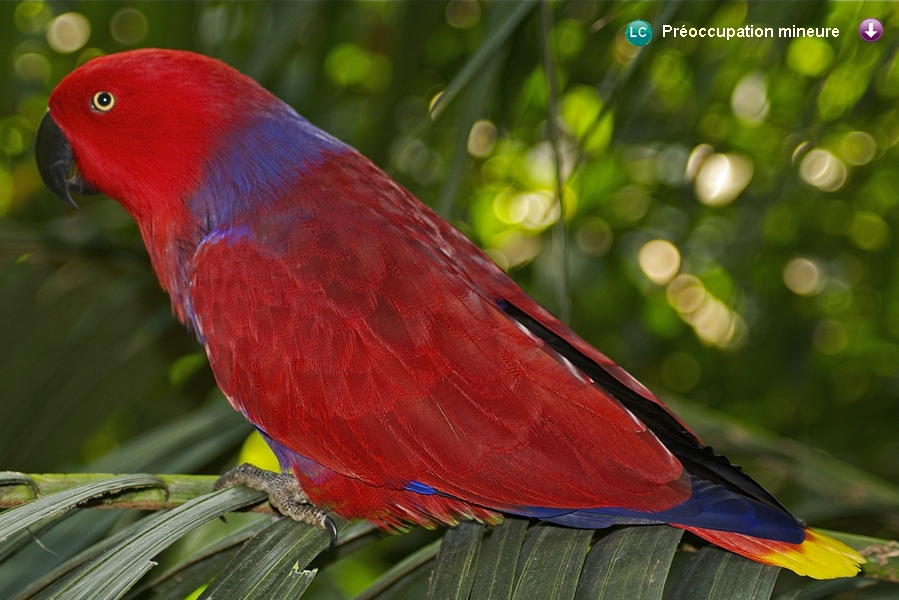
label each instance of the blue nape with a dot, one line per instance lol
(711, 506)
(257, 161)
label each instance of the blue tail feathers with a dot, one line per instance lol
(711, 506)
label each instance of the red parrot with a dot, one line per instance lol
(397, 373)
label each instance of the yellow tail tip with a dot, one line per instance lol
(819, 556)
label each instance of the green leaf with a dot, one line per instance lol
(182, 445)
(169, 490)
(272, 564)
(629, 564)
(456, 562)
(182, 565)
(475, 106)
(15, 478)
(409, 567)
(49, 575)
(20, 518)
(550, 562)
(413, 586)
(492, 41)
(819, 590)
(113, 573)
(495, 577)
(715, 574)
(187, 580)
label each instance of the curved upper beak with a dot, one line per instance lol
(56, 162)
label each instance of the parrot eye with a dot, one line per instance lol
(102, 102)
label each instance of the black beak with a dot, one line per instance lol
(56, 162)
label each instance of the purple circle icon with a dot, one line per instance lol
(870, 30)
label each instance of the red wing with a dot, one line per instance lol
(356, 339)
(393, 371)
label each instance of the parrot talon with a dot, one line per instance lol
(284, 494)
(331, 527)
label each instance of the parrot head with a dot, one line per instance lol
(183, 142)
(139, 126)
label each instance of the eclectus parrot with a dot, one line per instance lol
(396, 372)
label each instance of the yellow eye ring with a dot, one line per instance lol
(102, 102)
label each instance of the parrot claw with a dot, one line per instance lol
(284, 494)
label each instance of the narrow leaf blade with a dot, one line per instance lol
(453, 574)
(271, 564)
(409, 567)
(629, 564)
(495, 577)
(715, 574)
(112, 574)
(551, 562)
(485, 51)
(22, 517)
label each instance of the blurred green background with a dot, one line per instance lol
(728, 223)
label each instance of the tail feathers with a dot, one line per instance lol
(819, 556)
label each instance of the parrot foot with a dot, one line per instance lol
(284, 494)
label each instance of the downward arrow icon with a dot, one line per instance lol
(870, 30)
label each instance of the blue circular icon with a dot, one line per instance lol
(638, 32)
